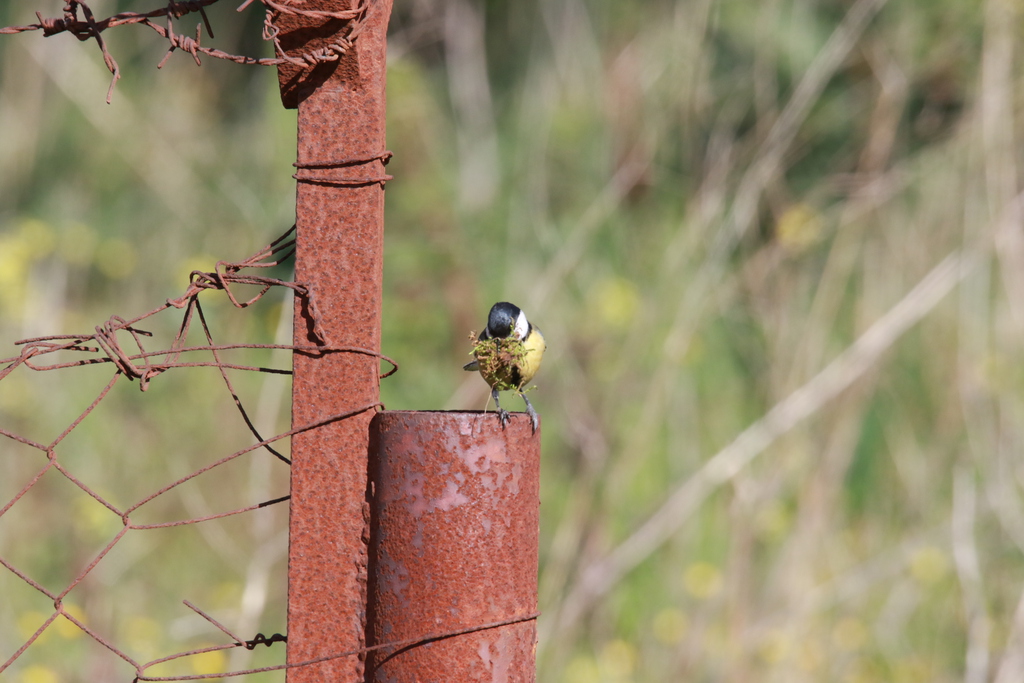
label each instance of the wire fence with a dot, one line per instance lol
(121, 343)
(86, 26)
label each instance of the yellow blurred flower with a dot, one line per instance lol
(617, 659)
(227, 594)
(14, 268)
(66, 628)
(850, 634)
(702, 580)
(774, 520)
(670, 625)
(775, 647)
(912, 670)
(20, 248)
(29, 622)
(94, 519)
(582, 669)
(209, 662)
(614, 302)
(809, 656)
(37, 237)
(860, 673)
(39, 674)
(799, 228)
(201, 262)
(142, 635)
(929, 565)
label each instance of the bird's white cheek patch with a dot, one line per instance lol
(522, 327)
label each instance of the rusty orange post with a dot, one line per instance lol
(339, 256)
(455, 509)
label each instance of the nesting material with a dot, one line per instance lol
(499, 359)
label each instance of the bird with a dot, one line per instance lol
(508, 367)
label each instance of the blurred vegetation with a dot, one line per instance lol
(703, 205)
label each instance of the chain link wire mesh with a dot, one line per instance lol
(122, 344)
(55, 491)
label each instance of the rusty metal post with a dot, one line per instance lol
(454, 546)
(339, 255)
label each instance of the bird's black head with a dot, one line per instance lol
(501, 321)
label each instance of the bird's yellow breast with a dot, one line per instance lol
(530, 363)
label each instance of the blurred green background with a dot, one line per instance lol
(775, 248)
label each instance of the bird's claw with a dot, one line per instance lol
(504, 416)
(534, 420)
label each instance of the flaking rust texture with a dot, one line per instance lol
(454, 503)
(339, 256)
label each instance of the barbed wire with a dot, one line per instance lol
(86, 26)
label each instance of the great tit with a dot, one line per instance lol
(504, 369)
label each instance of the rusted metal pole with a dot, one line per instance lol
(339, 256)
(454, 547)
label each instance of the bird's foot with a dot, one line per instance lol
(534, 419)
(503, 415)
